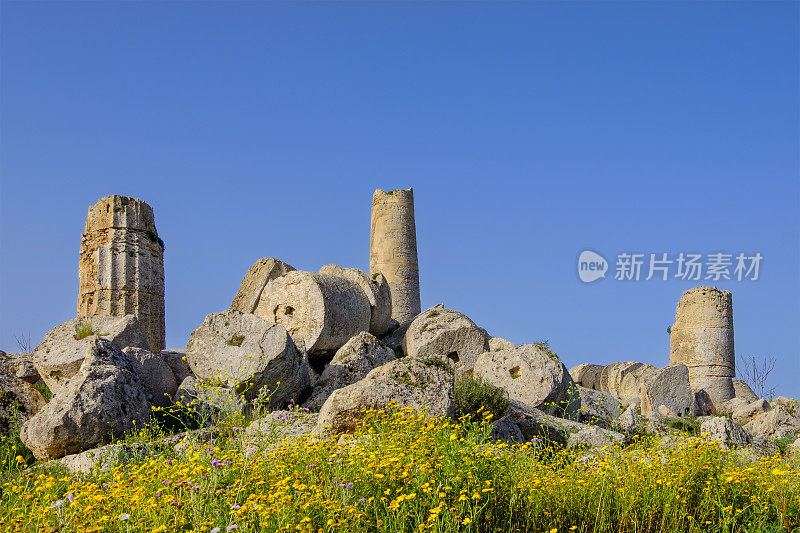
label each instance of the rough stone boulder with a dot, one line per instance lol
(742, 390)
(352, 363)
(498, 343)
(406, 382)
(178, 364)
(594, 437)
(630, 420)
(59, 356)
(668, 393)
(775, 423)
(725, 431)
(545, 429)
(103, 399)
(623, 380)
(245, 353)
(586, 375)
(507, 430)
(598, 408)
(533, 375)
(19, 401)
(20, 365)
(321, 310)
(744, 413)
(156, 375)
(377, 291)
(440, 331)
(630, 385)
(257, 277)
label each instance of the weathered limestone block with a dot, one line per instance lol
(630, 420)
(321, 310)
(121, 265)
(745, 413)
(406, 382)
(629, 387)
(257, 277)
(393, 249)
(440, 331)
(104, 399)
(594, 437)
(742, 390)
(377, 291)
(586, 375)
(598, 408)
(533, 375)
(156, 375)
(668, 393)
(352, 362)
(702, 339)
(506, 429)
(725, 431)
(245, 353)
(178, 364)
(611, 377)
(18, 398)
(775, 423)
(60, 355)
(498, 343)
(546, 429)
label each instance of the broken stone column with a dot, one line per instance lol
(321, 310)
(121, 265)
(393, 250)
(702, 339)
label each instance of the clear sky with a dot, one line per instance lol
(529, 131)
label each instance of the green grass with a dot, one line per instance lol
(83, 330)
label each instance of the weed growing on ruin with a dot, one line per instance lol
(473, 397)
(83, 330)
(236, 340)
(14, 455)
(43, 389)
(433, 314)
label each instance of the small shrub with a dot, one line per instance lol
(83, 330)
(236, 340)
(433, 314)
(473, 394)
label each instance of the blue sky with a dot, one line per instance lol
(529, 131)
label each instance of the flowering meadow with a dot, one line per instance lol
(402, 471)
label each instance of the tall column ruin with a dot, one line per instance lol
(702, 339)
(393, 249)
(121, 265)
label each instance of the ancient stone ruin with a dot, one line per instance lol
(342, 341)
(393, 250)
(702, 339)
(121, 265)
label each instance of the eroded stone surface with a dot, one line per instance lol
(702, 339)
(121, 265)
(257, 277)
(393, 249)
(59, 356)
(440, 331)
(321, 310)
(376, 288)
